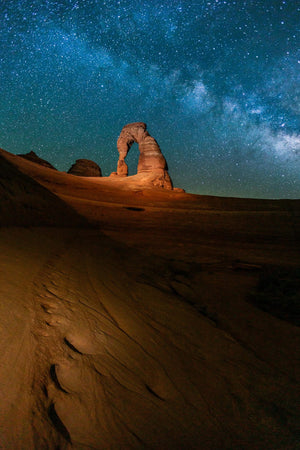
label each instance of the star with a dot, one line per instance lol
(216, 82)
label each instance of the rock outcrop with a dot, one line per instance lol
(85, 168)
(33, 157)
(151, 160)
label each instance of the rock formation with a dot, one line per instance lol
(85, 168)
(151, 160)
(33, 157)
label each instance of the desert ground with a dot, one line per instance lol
(134, 317)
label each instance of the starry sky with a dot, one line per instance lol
(217, 82)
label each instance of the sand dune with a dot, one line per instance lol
(136, 328)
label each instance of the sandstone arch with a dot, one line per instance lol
(151, 160)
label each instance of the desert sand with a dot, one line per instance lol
(134, 317)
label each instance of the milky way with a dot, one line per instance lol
(217, 83)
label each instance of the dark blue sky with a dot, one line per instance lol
(217, 83)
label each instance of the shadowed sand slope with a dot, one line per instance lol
(99, 355)
(24, 202)
(150, 340)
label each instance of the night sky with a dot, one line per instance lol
(217, 83)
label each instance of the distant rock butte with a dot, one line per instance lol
(152, 165)
(85, 168)
(33, 157)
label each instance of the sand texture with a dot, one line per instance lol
(135, 318)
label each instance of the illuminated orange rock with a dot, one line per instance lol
(85, 168)
(151, 160)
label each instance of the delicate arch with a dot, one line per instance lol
(151, 157)
(152, 167)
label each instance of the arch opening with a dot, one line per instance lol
(132, 158)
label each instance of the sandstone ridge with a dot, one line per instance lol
(152, 164)
(33, 157)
